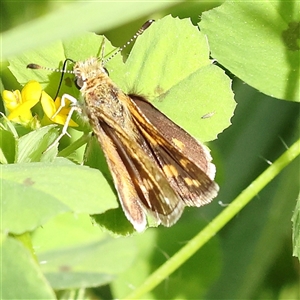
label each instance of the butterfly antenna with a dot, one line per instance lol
(62, 71)
(138, 33)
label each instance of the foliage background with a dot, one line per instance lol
(252, 256)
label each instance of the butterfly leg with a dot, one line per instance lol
(74, 107)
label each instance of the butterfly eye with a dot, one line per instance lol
(79, 82)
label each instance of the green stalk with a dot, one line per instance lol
(74, 146)
(218, 223)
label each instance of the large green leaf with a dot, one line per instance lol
(73, 253)
(33, 193)
(170, 65)
(258, 41)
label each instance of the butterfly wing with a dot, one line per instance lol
(185, 162)
(141, 186)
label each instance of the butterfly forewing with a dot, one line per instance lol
(122, 180)
(140, 184)
(190, 173)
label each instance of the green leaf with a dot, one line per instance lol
(7, 146)
(170, 65)
(258, 41)
(83, 256)
(21, 277)
(33, 193)
(31, 147)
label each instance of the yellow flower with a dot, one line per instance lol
(50, 108)
(19, 103)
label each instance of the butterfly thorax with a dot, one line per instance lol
(102, 96)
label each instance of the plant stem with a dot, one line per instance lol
(74, 146)
(218, 223)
